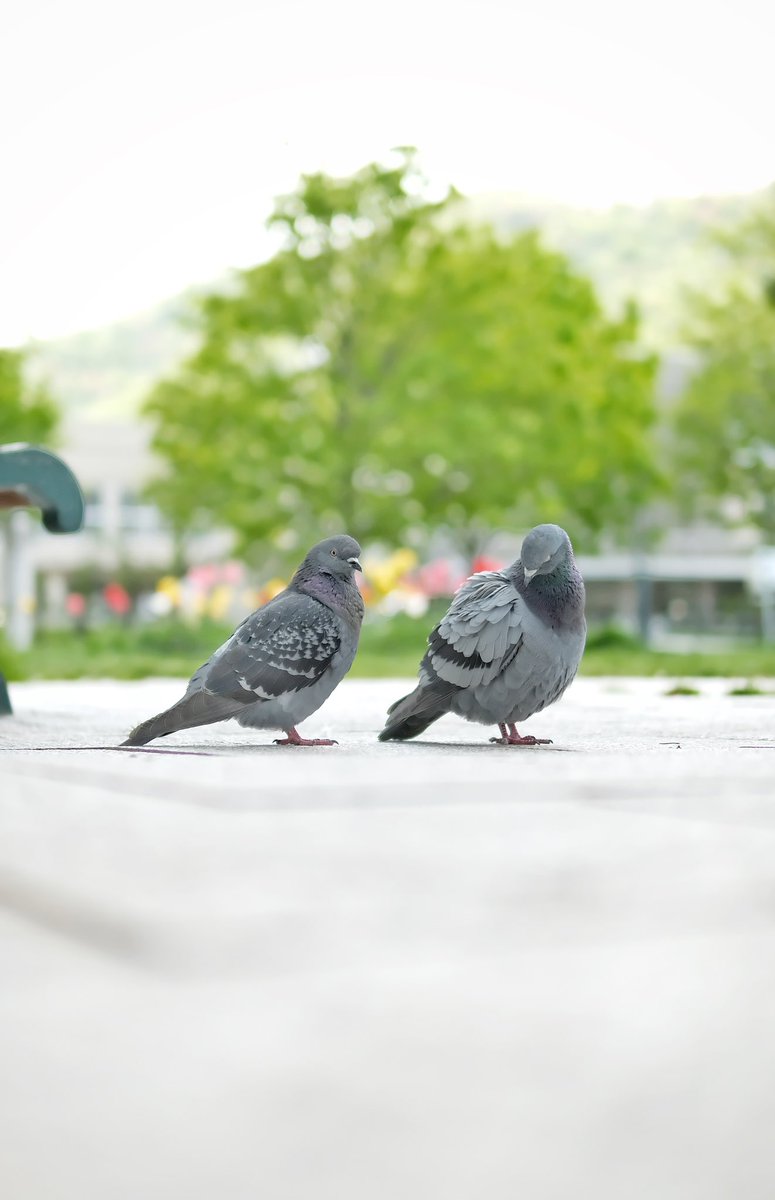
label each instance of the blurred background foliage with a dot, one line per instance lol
(395, 368)
(28, 411)
(724, 424)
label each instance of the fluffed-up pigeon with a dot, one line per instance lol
(284, 660)
(509, 645)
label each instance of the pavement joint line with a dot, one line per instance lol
(295, 798)
(154, 947)
(203, 754)
(69, 917)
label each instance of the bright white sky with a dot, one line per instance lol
(142, 142)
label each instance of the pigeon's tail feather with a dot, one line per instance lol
(413, 714)
(199, 708)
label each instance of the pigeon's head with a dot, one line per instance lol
(338, 556)
(543, 550)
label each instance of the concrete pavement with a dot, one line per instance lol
(437, 969)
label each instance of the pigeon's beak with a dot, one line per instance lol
(355, 564)
(529, 574)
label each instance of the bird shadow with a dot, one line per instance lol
(481, 747)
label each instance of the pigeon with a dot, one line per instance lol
(284, 660)
(508, 646)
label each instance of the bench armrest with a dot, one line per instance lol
(36, 478)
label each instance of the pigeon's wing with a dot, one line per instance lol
(480, 634)
(197, 681)
(284, 647)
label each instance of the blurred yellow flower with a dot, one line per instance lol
(272, 589)
(170, 587)
(220, 602)
(383, 576)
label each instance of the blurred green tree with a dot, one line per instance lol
(725, 420)
(391, 369)
(27, 411)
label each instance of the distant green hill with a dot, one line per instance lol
(650, 254)
(105, 373)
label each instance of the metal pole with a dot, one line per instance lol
(645, 591)
(20, 621)
(768, 614)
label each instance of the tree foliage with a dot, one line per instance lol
(391, 369)
(27, 412)
(725, 421)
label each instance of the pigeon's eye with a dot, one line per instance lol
(334, 553)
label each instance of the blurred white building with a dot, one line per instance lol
(111, 460)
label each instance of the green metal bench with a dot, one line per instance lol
(31, 477)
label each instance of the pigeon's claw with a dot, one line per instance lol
(529, 740)
(510, 736)
(294, 738)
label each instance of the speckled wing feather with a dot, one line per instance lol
(480, 634)
(478, 638)
(282, 648)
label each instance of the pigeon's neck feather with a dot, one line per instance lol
(339, 595)
(558, 598)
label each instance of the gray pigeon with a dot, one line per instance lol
(284, 660)
(509, 645)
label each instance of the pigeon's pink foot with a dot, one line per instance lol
(511, 737)
(294, 738)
